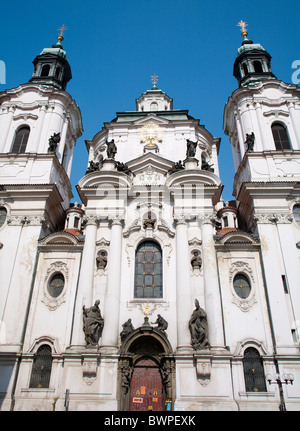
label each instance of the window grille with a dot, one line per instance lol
(254, 371)
(280, 136)
(148, 271)
(21, 140)
(241, 286)
(41, 369)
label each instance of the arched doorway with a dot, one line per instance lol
(146, 387)
(146, 371)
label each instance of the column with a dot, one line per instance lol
(5, 125)
(184, 300)
(110, 334)
(241, 139)
(295, 122)
(262, 128)
(211, 285)
(86, 278)
(62, 143)
(35, 145)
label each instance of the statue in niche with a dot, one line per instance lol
(250, 139)
(127, 329)
(190, 148)
(53, 142)
(93, 324)
(111, 149)
(196, 260)
(199, 328)
(162, 324)
(101, 259)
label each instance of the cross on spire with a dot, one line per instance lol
(61, 29)
(154, 79)
(243, 26)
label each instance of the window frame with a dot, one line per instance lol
(254, 383)
(279, 142)
(20, 147)
(141, 279)
(41, 369)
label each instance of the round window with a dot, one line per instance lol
(3, 214)
(56, 284)
(296, 213)
(241, 286)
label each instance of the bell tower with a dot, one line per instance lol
(262, 120)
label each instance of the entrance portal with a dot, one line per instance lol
(146, 388)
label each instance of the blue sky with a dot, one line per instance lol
(115, 46)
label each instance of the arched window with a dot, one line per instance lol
(254, 371)
(45, 70)
(153, 106)
(3, 215)
(21, 140)
(280, 136)
(41, 369)
(257, 66)
(245, 69)
(296, 213)
(242, 286)
(148, 271)
(57, 72)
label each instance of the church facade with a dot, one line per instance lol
(152, 293)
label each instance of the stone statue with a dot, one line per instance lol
(111, 149)
(101, 260)
(127, 329)
(206, 166)
(162, 324)
(190, 148)
(196, 260)
(53, 142)
(250, 139)
(95, 166)
(92, 324)
(199, 328)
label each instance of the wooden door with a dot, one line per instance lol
(146, 389)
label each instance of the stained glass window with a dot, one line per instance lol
(148, 271)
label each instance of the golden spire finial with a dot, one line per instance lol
(62, 29)
(242, 24)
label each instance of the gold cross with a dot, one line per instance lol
(242, 24)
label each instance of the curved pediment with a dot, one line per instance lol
(193, 176)
(60, 238)
(103, 178)
(236, 237)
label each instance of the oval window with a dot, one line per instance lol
(3, 214)
(296, 214)
(241, 286)
(56, 284)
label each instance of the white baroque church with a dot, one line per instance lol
(152, 293)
